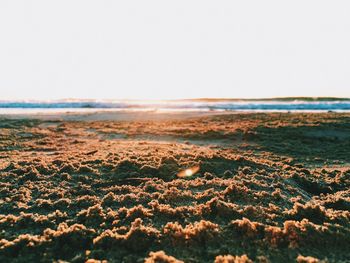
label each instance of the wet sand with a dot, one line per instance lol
(271, 187)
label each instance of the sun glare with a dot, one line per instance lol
(188, 172)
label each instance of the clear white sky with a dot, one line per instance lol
(173, 49)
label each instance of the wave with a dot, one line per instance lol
(224, 105)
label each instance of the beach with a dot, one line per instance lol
(196, 186)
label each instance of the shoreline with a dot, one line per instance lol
(133, 115)
(111, 115)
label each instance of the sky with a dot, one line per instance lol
(161, 49)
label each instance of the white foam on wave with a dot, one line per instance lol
(34, 107)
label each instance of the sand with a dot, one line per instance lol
(271, 187)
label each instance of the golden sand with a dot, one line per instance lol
(194, 188)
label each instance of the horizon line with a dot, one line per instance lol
(311, 98)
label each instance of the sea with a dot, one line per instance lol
(234, 105)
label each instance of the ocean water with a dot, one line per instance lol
(269, 105)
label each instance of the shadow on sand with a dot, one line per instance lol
(325, 142)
